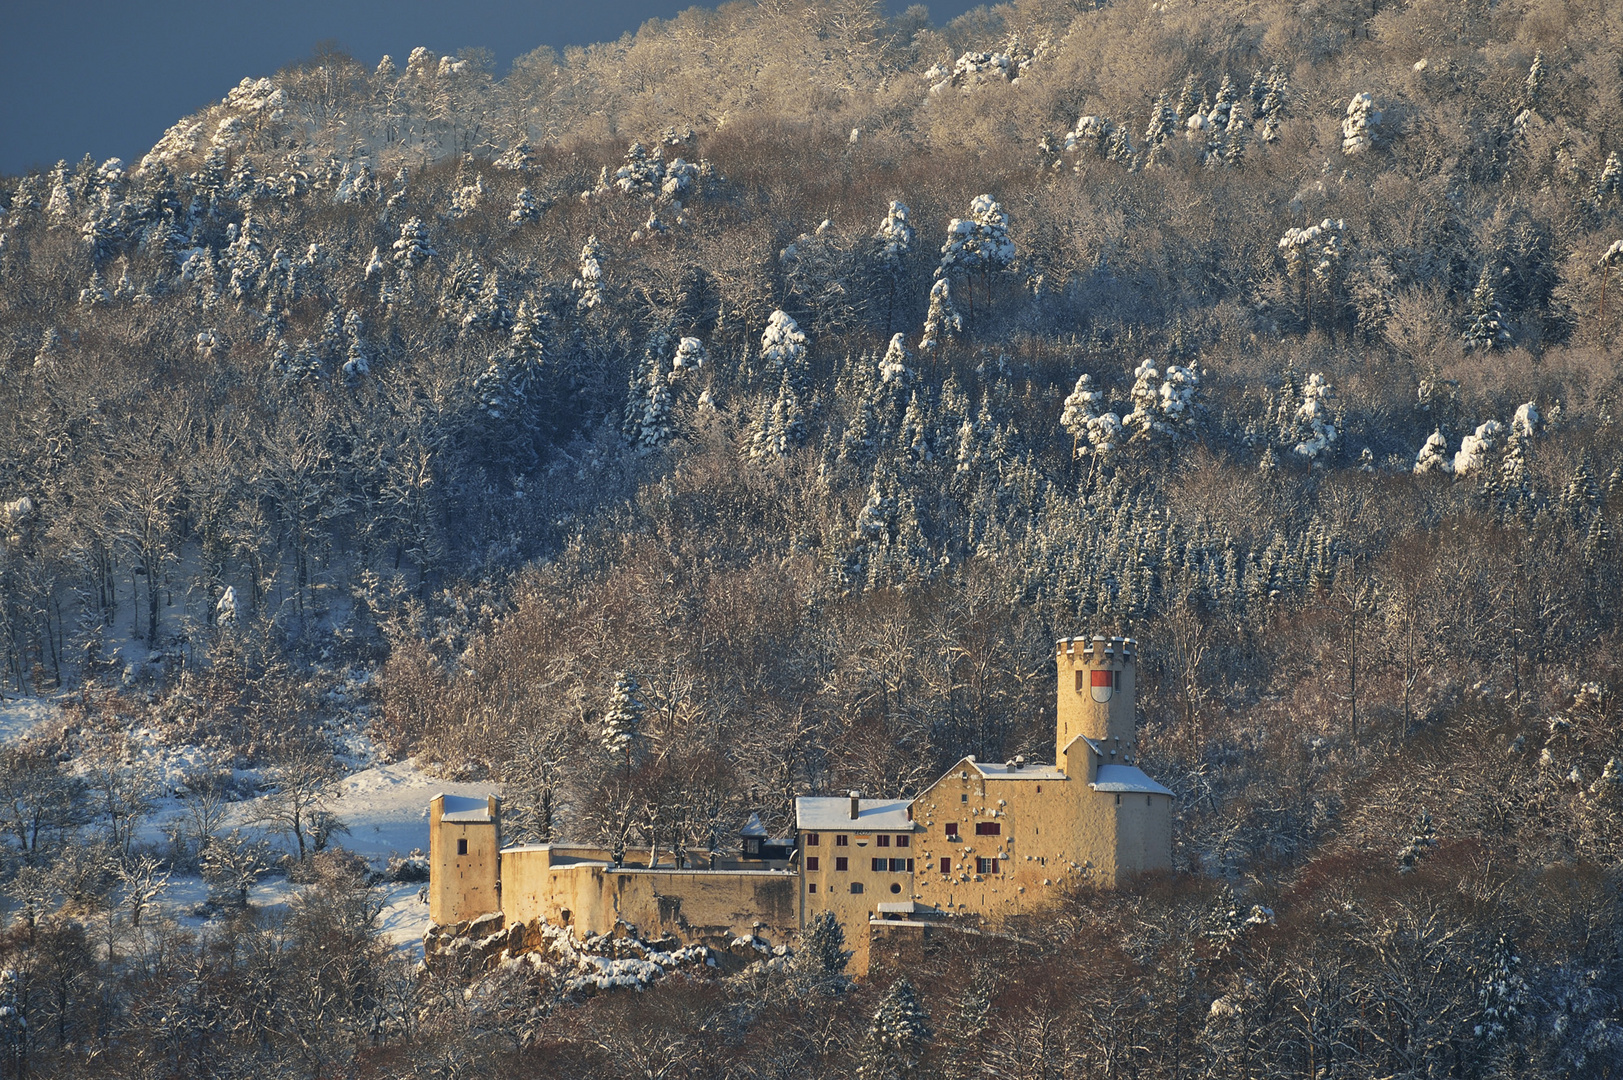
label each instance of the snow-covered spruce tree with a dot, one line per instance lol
(1316, 431)
(413, 247)
(1271, 109)
(1180, 403)
(782, 424)
(1082, 407)
(1434, 456)
(621, 734)
(690, 356)
(894, 239)
(783, 350)
(642, 174)
(1503, 996)
(1475, 448)
(897, 1037)
(942, 320)
(1163, 122)
(1486, 328)
(1356, 136)
(1313, 262)
(656, 427)
(588, 286)
(1610, 180)
(526, 208)
(822, 948)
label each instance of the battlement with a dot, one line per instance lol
(1096, 692)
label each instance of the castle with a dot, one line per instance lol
(985, 841)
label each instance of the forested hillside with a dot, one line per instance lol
(741, 410)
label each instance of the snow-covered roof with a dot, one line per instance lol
(1002, 770)
(753, 827)
(463, 808)
(831, 813)
(908, 907)
(1127, 778)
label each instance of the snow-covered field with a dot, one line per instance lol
(385, 807)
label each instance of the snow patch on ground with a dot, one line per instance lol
(20, 716)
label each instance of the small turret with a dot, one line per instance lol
(1097, 694)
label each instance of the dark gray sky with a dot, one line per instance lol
(107, 77)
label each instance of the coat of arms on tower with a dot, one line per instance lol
(1102, 684)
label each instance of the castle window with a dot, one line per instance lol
(842, 841)
(1039, 789)
(1147, 800)
(856, 887)
(811, 839)
(1118, 681)
(879, 865)
(903, 841)
(1118, 800)
(811, 862)
(988, 828)
(1081, 683)
(952, 830)
(986, 866)
(841, 863)
(881, 841)
(895, 888)
(946, 866)
(462, 845)
(963, 798)
(812, 887)
(900, 866)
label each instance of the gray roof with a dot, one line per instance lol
(829, 813)
(1126, 778)
(1029, 771)
(463, 808)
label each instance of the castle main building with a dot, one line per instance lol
(983, 842)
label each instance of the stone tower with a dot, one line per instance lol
(464, 857)
(1097, 694)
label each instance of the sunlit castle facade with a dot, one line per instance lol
(983, 842)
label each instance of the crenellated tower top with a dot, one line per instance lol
(1097, 694)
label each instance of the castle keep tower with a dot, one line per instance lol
(1097, 693)
(464, 844)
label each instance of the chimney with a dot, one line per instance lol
(855, 796)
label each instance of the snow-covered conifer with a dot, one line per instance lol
(1163, 122)
(1355, 128)
(823, 945)
(517, 158)
(656, 428)
(1610, 180)
(1082, 407)
(589, 285)
(1179, 400)
(897, 1037)
(526, 208)
(1486, 329)
(1141, 423)
(413, 247)
(622, 723)
(690, 356)
(1475, 448)
(783, 348)
(1434, 456)
(893, 369)
(642, 173)
(782, 425)
(1527, 422)
(1314, 423)
(1190, 99)
(1504, 995)
(895, 234)
(374, 266)
(1271, 109)
(225, 610)
(1534, 94)
(942, 320)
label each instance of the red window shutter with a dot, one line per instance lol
(952, 829)
(903, 841)
(946, 866)
(811, 839)
(840, 863)
(988, 828)
(811, 862)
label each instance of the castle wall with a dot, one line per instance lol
(591, 897)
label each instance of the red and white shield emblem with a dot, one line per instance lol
(1102, 683)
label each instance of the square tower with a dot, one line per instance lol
(464, 857)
